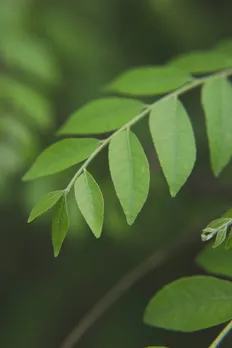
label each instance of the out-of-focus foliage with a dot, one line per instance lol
(85, 44)
(28, 76)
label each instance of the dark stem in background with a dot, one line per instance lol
(124, 284)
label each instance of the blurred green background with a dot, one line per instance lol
(55, 56)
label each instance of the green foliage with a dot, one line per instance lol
(149, 81)
(61, 155)
(103, 115)
(45, 203)
(130, 173)
(202, 62)
(216, 261)
(218, 228)
(60, 224)
(30, 56)
(174, 141)
(191, 304)
(224, 47)
(170, 128)
(27, 102)
(171, 131)
(90, 202)
(217, 103)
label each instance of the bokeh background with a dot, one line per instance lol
(55, 56)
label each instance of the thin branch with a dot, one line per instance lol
(218, 340)
(125, 283)
(176, 93)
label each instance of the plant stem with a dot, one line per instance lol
(124, 284)
(218, 340)
(176, 93)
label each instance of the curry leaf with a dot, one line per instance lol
(90, 202)
(220, 237)
(217, 261)
(174, 141)
(130, 173)
(217, 104)
(202, 62)
(60, 224)
(191, 304)
(102, 115)
(61, 155)
(149, 81)
(45, 203)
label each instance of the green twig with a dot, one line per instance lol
(218, 340)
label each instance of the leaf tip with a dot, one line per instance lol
(216, 172)
(30, 219)
(25, 177)
(56, 252)
(97, 233)
(107, 87)
(60, 131)
(130, 220)
(173, 193)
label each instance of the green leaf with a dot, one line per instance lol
(220, 237)
(215, 224)
(201, 62)
(213, 228)
(174, 141)
(27, 101)
(44, 204)
(217, 261)
(130, 173)
(61, 155)
(228, 244)
(149, 81)
(228, 214)
(102, 115)
(90, 202)
(30, 55)
(60, 224)
(225, 47)
(217, 104)
(191, 304)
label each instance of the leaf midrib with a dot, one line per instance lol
(90, 195)
(131, 204)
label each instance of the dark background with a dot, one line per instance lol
(55, 56)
